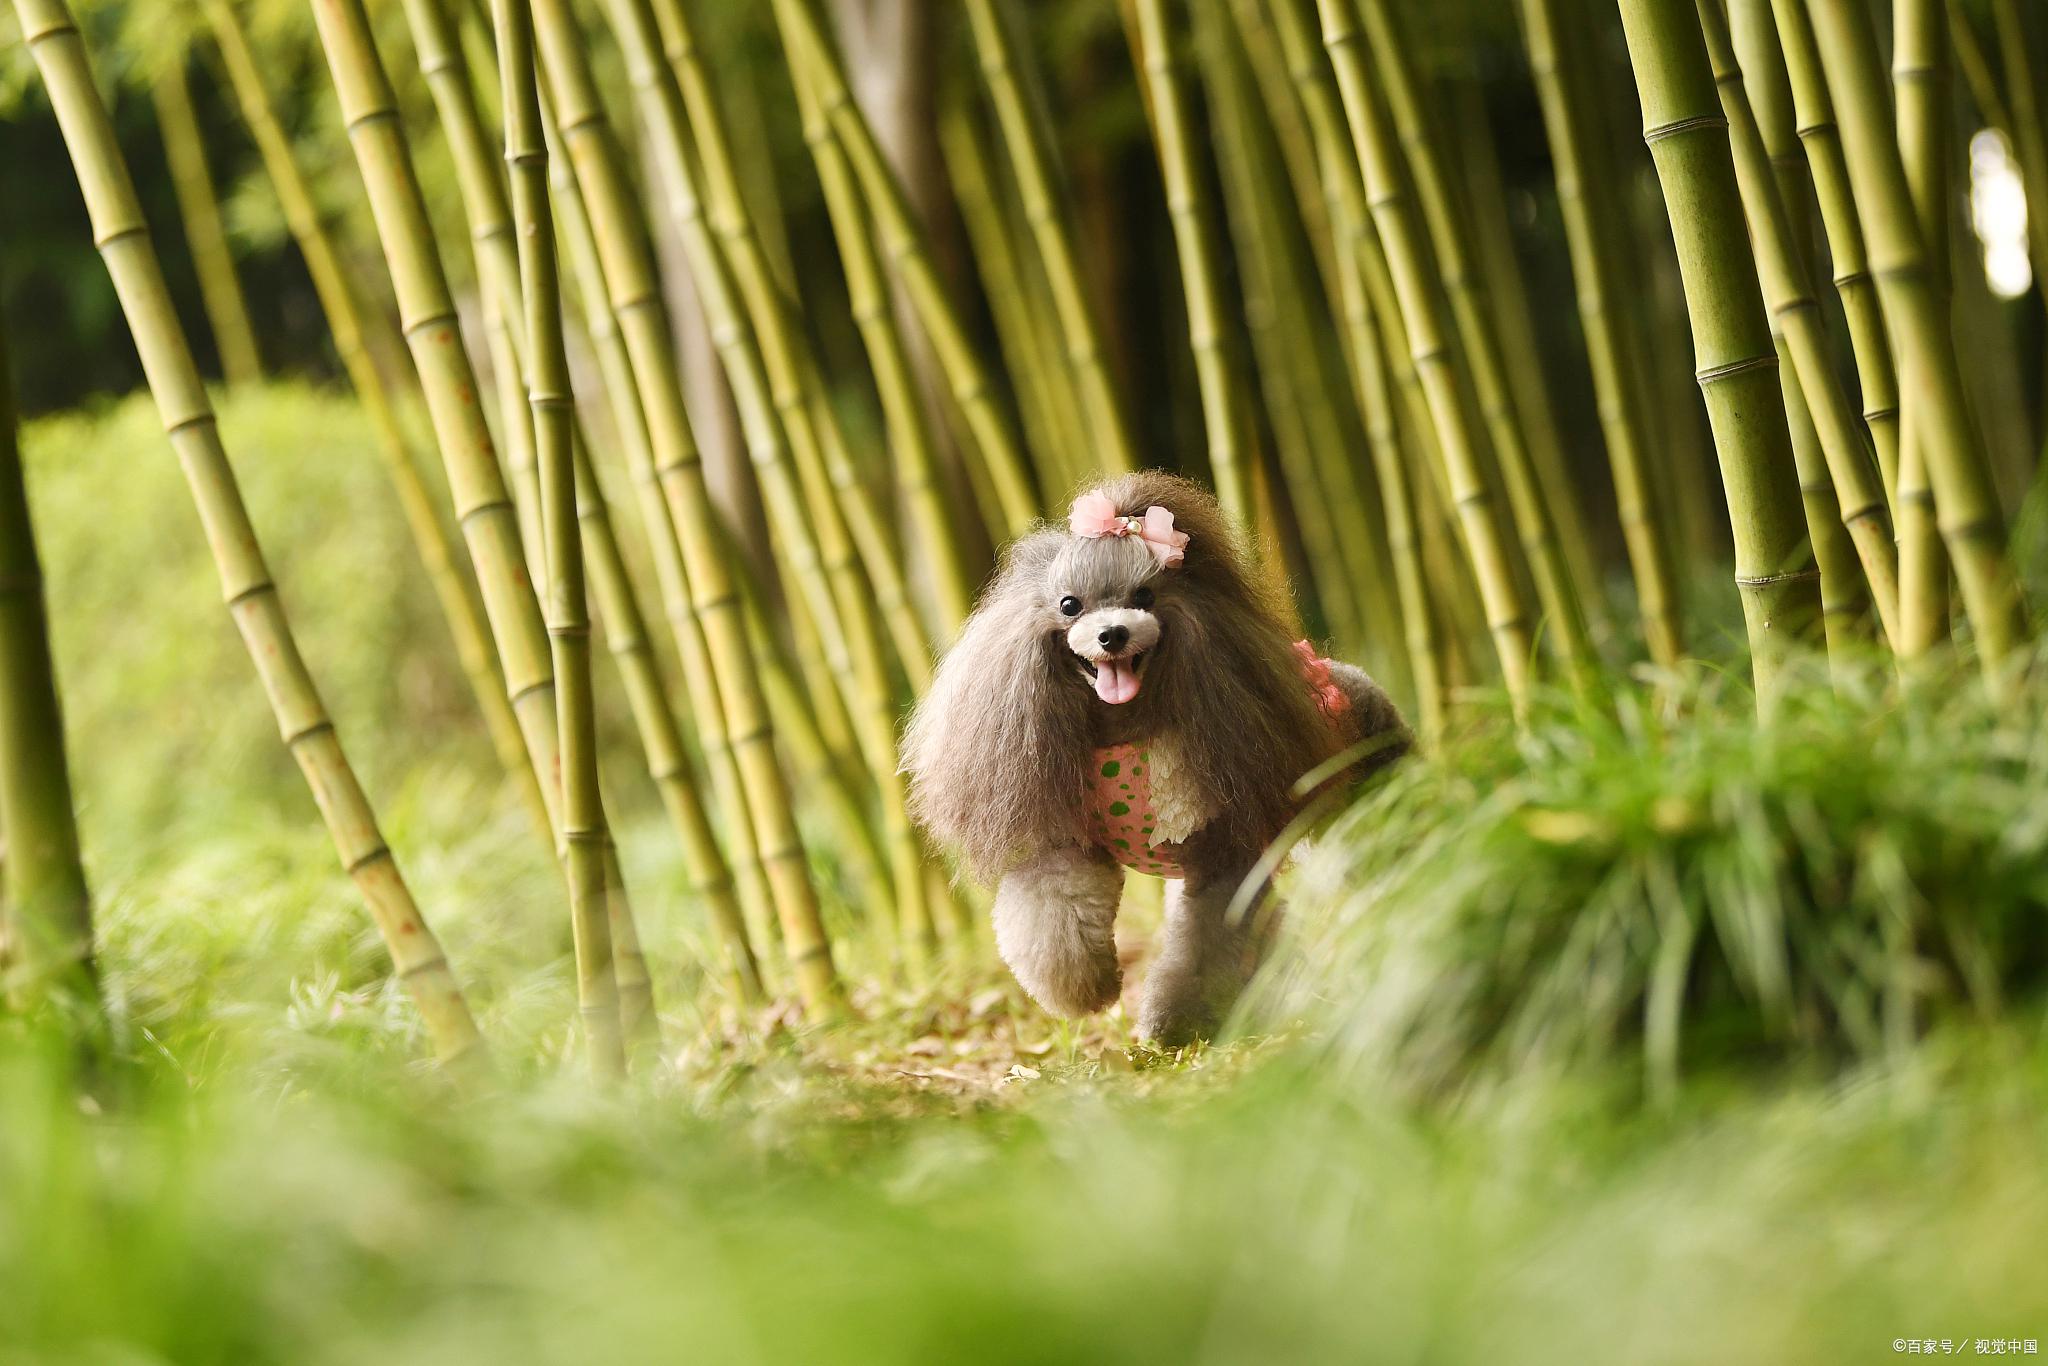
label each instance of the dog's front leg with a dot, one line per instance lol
(1055, 920)
(1204, 959)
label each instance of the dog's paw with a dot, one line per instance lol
(1075, 985)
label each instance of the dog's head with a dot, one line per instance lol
(1140, 617)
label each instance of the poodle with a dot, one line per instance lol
(1127, 694)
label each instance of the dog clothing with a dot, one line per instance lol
(1121, 813)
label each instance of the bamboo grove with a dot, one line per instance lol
(1370, 401)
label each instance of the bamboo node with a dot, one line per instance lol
(324, 726)
(102, 241)
(1681, 127)
(1718, 373)
(380, 113)
(380, 854)
(1767, 580)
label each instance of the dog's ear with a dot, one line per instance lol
(997, 751)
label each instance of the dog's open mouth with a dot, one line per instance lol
(1116, 680)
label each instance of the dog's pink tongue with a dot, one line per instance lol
(1115, 680)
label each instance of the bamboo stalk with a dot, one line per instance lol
(123, 238)
(1533, 517)
(1920, 89)
(636, 303)
(585, 833)
(346, 324)
(1420, 314)
(491, 221)
(206, 238)
(1589, 240)
(747, 927)
(1033, 163)
(1278, 347)
(46, 941)
(1353, 246)
(1846, 515)
(1972, 526)
(1736, 361)
(746, 321)
(916, 462)
(847, 512)
(1047, 398)
(427, 316)
(812, 60)
(1813, 112)
(1225, 402)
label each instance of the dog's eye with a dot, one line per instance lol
(1142, 598)
(1070, 606)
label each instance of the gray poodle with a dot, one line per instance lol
(1127, 695)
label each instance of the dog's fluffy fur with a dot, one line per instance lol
(1000, 751)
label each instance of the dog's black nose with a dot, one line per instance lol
(1114, 638)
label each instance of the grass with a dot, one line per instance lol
(1430, 1144)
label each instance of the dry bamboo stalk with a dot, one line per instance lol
(251, 595)
(1032, 161)
(812, 60)
(346, 324)
(206, 238)
(1972, 525)
(628, 265)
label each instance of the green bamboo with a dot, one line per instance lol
(491, 220)
(749, 325)
(46, 950)
(1972, 525)
(1813, 112)
(1420, 314)
(848, 512)
(916, 462)
(1353, 246)
(1226, 405)
(1529, 501)
(1589, 240)
(1284, 363)
(636, 303)
(1920, 93)
(1026, 334)
(1736, 361)
(585, 833)
(1034, 163)
(251, 595)
(903, 244)
(346, 324)
(206, 238)
(1838, 477)
(747, 927)
(483, 509)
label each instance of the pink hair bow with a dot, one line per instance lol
(1094, 515)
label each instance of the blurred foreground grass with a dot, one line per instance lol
(1433, 1145)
